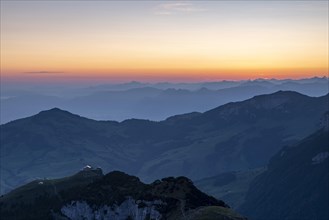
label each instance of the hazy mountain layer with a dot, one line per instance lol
(154, 101)
(235, 136)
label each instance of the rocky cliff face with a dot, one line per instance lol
(128, 209)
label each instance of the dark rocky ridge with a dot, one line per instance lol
(169, 198)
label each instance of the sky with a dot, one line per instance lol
(163, 40)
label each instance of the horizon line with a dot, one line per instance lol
(100, 81)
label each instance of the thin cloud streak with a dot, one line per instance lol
(177, 7)
(42, 72)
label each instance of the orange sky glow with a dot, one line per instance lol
(158, 41)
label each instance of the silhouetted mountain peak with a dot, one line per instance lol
(120, 179)
(54, 111)
(89, 171)
(182, 117)
(275, 99)
(56, 114)
(280, 94)
(280, 103)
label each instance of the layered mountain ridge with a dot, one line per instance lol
(155, 101)
(235, 136)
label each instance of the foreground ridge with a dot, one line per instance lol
(91, 195)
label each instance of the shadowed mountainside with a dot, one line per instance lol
(230, 186)
(295, 186)
(235, 136)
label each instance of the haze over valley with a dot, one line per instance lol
(152, 101)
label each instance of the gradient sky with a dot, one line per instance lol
(163, 40)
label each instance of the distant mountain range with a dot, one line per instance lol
(235, 136)
(295, 186)
(154, 101)
(91, 195)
